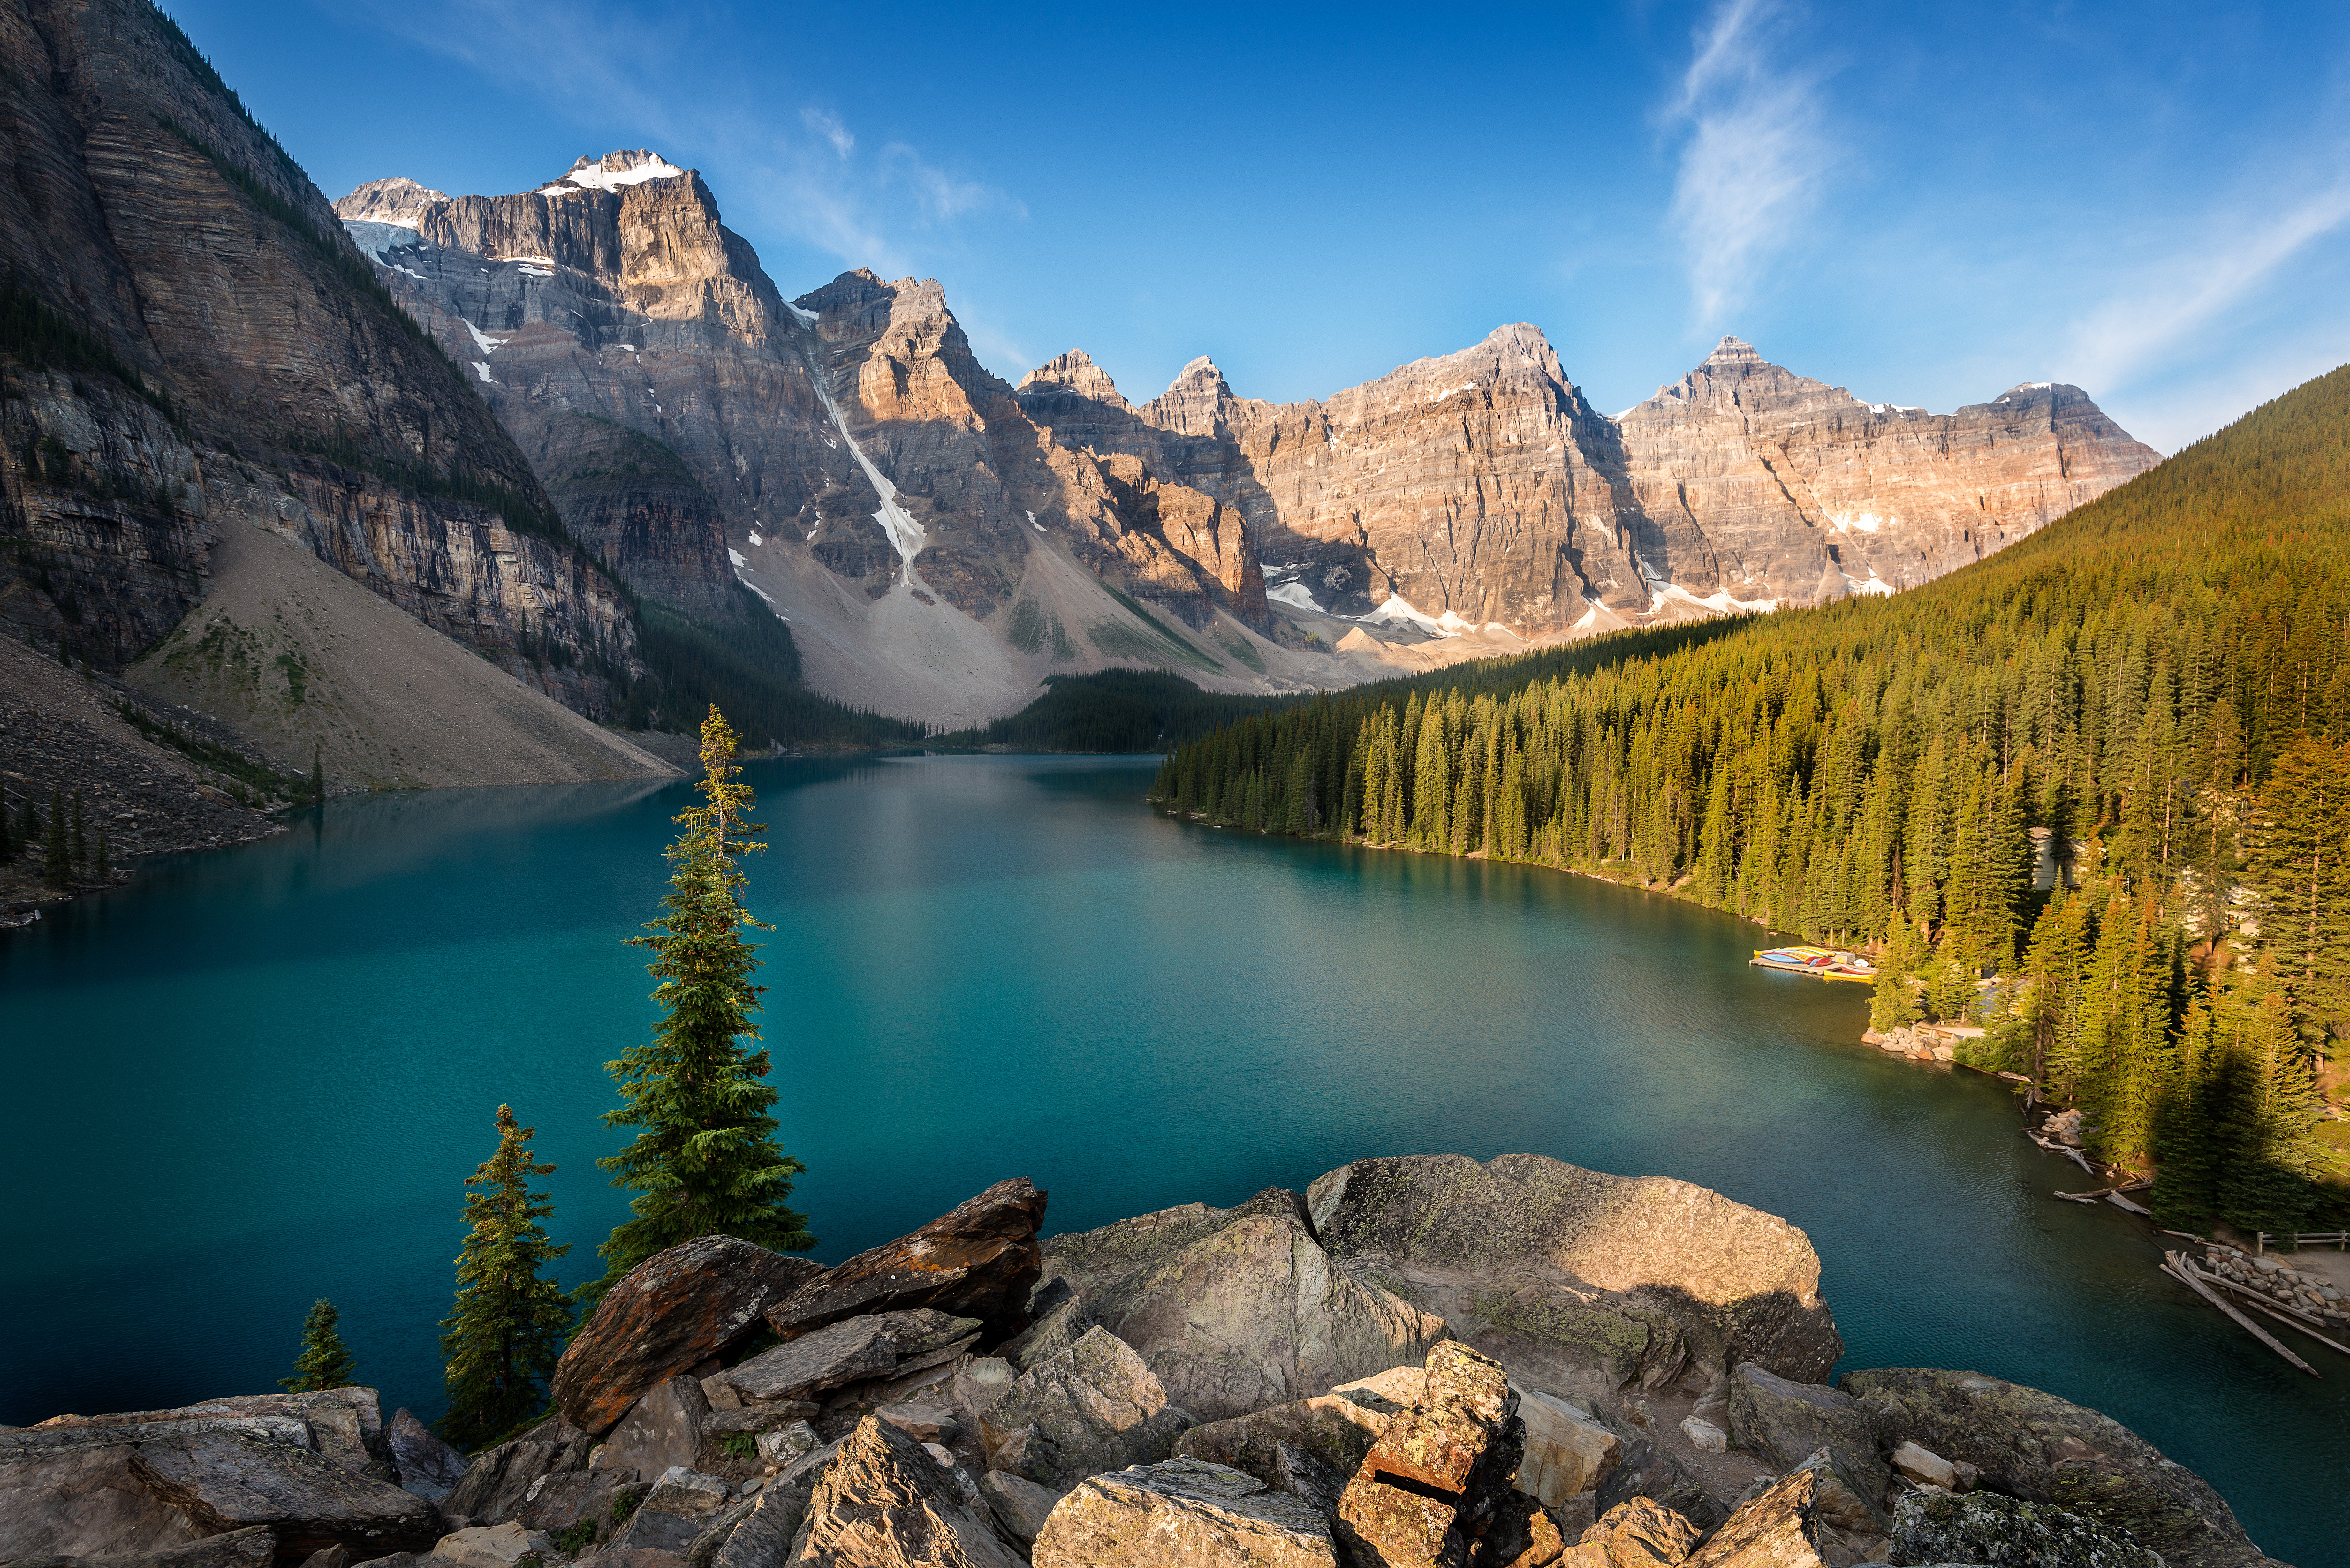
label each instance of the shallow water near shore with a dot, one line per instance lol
(260, 1076)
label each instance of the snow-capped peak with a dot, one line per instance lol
(613, 170)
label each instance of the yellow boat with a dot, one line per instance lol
(1820, 964)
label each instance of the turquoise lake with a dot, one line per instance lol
(262, 1076)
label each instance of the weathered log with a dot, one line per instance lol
(2176, 1266)
(2115, 1197)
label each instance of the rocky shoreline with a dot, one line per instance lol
(1421, 1361)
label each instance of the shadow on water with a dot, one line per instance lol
(262, 1076)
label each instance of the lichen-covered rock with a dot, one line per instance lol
(1233, 1309)
(1334, 1431)
(2001, 1532)
(1574, 1274)
(884, 1502)
(1783, 1423)
(1641, 1534)
(425, 1464)
(1183, 1514)
(670, 1312)
(1092, 1408)
(1780, 1529)
(979, 1260)
(2037, 1448)
(495, 1486)
(223, 1481)
(1567, 1453)
(1437, 1475)
(856, 1350)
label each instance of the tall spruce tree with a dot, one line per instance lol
(325, 1362)
(705, 1160)
(507, 1331)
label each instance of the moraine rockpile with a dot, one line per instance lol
(1419, 1361)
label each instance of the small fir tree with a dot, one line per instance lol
(317, 776)
(705, 1160)
(57, 867)
(324, 1363)
(80, 839)
(507, 1331)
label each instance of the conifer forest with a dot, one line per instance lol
(2092, 793)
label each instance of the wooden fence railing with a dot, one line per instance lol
(2336, 1239)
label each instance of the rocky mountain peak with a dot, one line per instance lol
(1075, 373)
(1734, 351)
(611, 171)
(398, 201)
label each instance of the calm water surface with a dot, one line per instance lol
(262, 1076)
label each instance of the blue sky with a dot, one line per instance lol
(1924, 204)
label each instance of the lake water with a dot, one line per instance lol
(260, 1076)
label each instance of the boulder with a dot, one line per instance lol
(1233, 1309)
(1986, 1527)
(223, 1481)
(1848, 1520)
(979, 1381)
(1647, 1471)
(1704, 1435)
(491, 1546)
(253, 1548)
(496, 1484)
(343, 1425)
(979, 1260)
(857, 1350)
(924, 1423)
(670, 1312)
(422, 1463)
(1019, 1504)
(80, 1501)
(2037, 1448)
(884, 1503)
(1641, 1534)
(1572, 1274)
(1183, 1514)
(1777, 1529)
(578, 1506)
(1925, 1468)
(759, 1533)
(1567, 1453)
(1092, 1408)
(1334, 1432)
(662, 1431)
(1783, 1423)
(681, 1504)
(1440, 1471)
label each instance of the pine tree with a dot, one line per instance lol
(80, 839)
(324, 1362)
(317, 774)
(57, 867)
(507, 1330)
(704, 1161)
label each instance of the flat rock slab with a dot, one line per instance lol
(252, 1548)
(81, 1502)
(675, 1311)
(2039, 1449)
(979, 1260)
(884, 1503)
(225, 1483)
(857, 1350)
(1183, 1514)
(1498, 1242)
(489, 1546)
(1092, 1408)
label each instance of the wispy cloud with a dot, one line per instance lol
(601, 62)
(1753, 155)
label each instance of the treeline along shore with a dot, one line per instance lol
(2147, 704)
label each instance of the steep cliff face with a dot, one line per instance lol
(1480, 488)
(214, 355)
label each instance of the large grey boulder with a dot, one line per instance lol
(978, 1259)
(1183, 1514)
(681, 1504)
(2037, 1448)
(1575, 1275)
(578, 1506)
(671, 1313)
(421, 1463)
(662, 1431)
(1783, 1424)
(885, 1502)
(1567, 1453)
(1232, 1309)
(80, 1501)
(495, 1486)
(223, 1481)
(2001, 1532)
(857, 1350)
(252, 1548)
(1021, 1507)
(1092, 1408)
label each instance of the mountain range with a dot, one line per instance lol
(565, 428)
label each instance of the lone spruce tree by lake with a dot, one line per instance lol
(705, 1160)
(325, 1362)
(507, 1331)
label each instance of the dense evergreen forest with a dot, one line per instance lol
(2148, 703)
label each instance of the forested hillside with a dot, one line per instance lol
(2156, 688)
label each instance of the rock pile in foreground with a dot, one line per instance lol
(1420, 1363)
